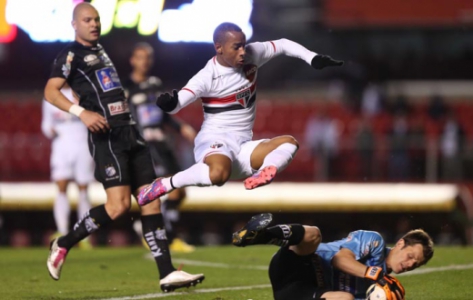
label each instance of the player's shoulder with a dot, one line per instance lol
(365, 234)
(68, 48)
(155, 81)
(208, 70)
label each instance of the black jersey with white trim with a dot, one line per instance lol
(93, 77)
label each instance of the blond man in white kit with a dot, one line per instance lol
(70, 161)
(227, 86)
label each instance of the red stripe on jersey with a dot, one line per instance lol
(189, 90)
(274, 46)
(228, 99)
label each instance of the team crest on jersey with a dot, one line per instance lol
(108, 79)
(243, 97)
(66, 67)
(250, 72)
(91, 59)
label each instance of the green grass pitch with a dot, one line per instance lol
(231, 274)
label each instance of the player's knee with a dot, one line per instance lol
(288, 139)
(312, 235)
(118, 208)
(218, 176)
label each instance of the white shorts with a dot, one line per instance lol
(236, 147)
(72, 162)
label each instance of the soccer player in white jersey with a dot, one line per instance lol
(70, 161)
(224, 147)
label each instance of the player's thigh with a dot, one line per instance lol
(263, 149)
(242, 166)
(141, 168)
(111, 156)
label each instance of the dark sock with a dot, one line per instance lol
(171, 217)
(283, 235)
(94, 219)
(155, 236)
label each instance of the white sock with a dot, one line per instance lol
(61, 211)
(280, 157)
(83, 206)
(198, 174)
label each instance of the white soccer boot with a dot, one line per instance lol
(179, 279)
(56, 258)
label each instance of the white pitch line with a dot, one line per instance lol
(203, 291)
(262, 286)
(437, 269)
(211, 264)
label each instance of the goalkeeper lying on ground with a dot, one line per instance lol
(304, 268)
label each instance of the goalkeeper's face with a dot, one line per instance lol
(403, 258)
(231, 52)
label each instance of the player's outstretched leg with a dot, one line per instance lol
(261, 178)
(152, 192)
(56, 258)
(253, 232)
(179, 279)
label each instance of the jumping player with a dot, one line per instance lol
(304, 268)
(122, 161)
(227, 86)
(141, 89)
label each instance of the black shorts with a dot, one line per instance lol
(164, 159)
(296, 277)
(121, 158)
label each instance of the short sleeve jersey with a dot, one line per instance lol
(369, 249)
(228, 94)
(93, 77)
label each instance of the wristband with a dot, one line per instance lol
(373, 273)
(76, 110)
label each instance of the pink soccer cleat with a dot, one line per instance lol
(261, 178)
(56, 258)
(152, 192)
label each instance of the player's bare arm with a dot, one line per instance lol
(345, 261)
(52, 93)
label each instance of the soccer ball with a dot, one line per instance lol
(376, 292)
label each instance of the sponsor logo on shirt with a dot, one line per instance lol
(250, 72)
(108, 79)
(91, 59)
(66, 67)
(117, 108)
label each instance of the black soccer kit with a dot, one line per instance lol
(153, 123)
(120, 154)
(296, 277)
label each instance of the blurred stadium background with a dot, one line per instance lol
(386, 141)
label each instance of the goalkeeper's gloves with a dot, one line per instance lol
(395, 287)
(387, 282)
(321, 61)
(167, 102)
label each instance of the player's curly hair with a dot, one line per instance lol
(419, 236)
(219, 32)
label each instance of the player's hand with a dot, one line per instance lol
(167, 102)
(94, 121)
(392, 285)
(321, 61)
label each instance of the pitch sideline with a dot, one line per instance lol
(262, 286)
